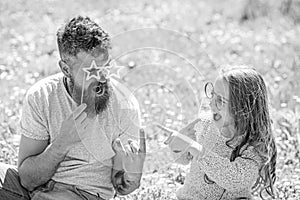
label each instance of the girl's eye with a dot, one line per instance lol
(219, 100)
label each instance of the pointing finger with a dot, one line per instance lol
(195, 121)
(189, 129)
(192, 124)
(168, 130)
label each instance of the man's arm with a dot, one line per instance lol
(39, 160)
(123, 184)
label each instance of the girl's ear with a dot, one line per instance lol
(65, 68)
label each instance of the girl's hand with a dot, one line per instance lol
(196, 151)
(180, 143)
(189, 130)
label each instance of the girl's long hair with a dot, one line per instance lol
(248, 103)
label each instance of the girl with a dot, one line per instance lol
(237, 153)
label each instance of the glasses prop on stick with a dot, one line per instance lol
(92, 88)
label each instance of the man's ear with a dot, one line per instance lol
(65, 68)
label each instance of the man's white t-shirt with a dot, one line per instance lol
(88, 165)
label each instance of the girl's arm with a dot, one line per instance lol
(232, 176)
(186, 157)
(182, 158)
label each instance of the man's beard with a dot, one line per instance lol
(96, 97)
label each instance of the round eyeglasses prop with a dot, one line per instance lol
(210, 93)
(209, 90)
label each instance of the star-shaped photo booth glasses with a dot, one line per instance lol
(101, 73)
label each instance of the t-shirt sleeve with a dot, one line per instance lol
(32, 123)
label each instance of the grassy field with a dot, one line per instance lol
(189, 42)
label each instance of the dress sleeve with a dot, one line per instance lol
(232, 176)
(32, 123)
(186, 157)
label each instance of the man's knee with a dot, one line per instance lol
(10, 183)
(4, 169)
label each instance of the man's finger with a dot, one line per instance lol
(85, 123)
(118, 146)
(133, 146)
(142, 141)
(79, 110)
(129, 152)
(81, 117)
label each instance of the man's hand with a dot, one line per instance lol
(133, 156)
(39, 160)
(74, 125)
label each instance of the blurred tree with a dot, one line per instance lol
(291, 8)
(254, 9)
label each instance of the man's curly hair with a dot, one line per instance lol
(81, 34)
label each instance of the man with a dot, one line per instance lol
(75, 124)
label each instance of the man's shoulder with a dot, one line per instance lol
(45, 85)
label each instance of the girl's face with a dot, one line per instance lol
(220, 108)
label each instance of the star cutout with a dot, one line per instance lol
(117, 71)
(93, 71)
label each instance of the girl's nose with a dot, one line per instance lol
(212, 105)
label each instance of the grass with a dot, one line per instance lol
(169, 89)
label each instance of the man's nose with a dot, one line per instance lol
(102, 78)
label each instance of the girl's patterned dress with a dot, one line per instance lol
(214, 177)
